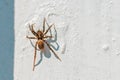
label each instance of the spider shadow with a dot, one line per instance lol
(54, 40)
(49, 41)
(46, 51)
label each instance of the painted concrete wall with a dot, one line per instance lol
(88, 37)
(6, 39)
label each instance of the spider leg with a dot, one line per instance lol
(44, 25)
(52, 50)
(44, 21)
(32, 30)
(34, 56)
(48, 29)
(31, 37)
(48, 36)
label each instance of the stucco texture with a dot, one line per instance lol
(88, 40)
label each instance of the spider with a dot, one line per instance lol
(40, 35)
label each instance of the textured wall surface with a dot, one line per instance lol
(88, 40)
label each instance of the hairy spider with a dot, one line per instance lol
(40, 35)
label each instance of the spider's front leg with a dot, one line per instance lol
(44, 21)
(32, 30)
(48, 29)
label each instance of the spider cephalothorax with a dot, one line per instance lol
(40, 35)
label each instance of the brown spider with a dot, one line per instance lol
(41, 36)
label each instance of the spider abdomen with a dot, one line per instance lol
(41, 44)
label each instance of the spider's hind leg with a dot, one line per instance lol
(52, 50)
(34, 56)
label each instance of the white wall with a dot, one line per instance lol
(87, 35)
